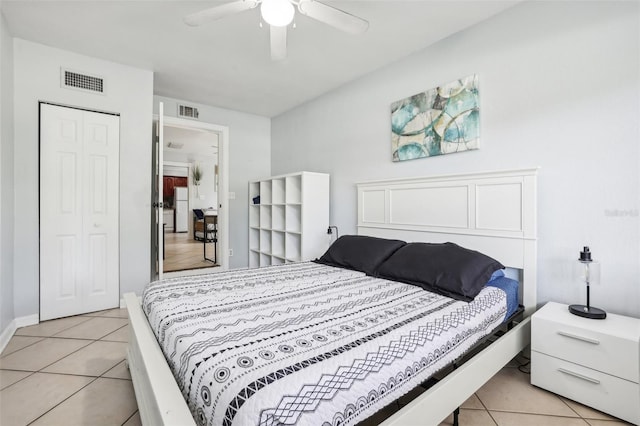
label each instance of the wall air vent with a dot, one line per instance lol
(79, 81)
(186, 111)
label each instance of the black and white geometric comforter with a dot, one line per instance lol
(307, 344)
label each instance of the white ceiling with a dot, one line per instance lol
(227, 63)
(195, 143)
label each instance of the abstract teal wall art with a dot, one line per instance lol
(439, 121)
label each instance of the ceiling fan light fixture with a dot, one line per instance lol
(278, 13)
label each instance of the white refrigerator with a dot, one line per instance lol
(181, 206)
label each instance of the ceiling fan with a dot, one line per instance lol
(279, 14)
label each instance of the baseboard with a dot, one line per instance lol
(7, 334)
(15, 324)
(27, 320)
(123, 304)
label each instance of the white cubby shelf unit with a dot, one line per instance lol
(289, 222)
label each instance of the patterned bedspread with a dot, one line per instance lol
(307, 344)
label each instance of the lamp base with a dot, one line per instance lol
(587, 312)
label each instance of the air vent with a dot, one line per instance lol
(84, 82)
(187, 111)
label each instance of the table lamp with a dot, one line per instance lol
(587, 271)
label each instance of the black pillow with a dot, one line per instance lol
(446, 269)
(360, 253)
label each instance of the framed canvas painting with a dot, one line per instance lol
(440, 121)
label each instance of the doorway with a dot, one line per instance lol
(190, 186)
(190, 197)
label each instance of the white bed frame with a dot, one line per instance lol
(492, 212)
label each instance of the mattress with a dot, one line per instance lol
(307, 344)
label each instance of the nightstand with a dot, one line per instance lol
(594, 362)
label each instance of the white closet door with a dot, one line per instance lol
(79, 155)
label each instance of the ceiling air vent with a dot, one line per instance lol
(187, 111)
(84, 82)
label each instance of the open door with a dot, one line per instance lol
(159, 178)
(162, 124)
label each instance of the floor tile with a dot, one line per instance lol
(587, 412)
(92, 360)
(41, 354)
(28, 399)
(120, 371)
(471, 418)
(103, 402)
(51, 327)
(510, 390)
(519, 419)
(18, 342)
(134, 420)
(109, 313)
(473, 403)
(120, 335)
(9, 377)
(94, 328)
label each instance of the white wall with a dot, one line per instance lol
(206, 194)
(249, 159)
(559, 88)
(129, 91)
(6, 176)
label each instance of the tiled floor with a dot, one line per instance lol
(72, 371)
(69, 371)
(182, 252)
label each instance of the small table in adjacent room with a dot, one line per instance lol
(210, 236)
(594, 362)
(205, 229)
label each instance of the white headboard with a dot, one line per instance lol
(491, 212)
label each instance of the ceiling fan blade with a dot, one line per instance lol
(278, 43)
(331, 16)
(219, 12)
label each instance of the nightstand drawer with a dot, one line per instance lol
(601, 391)
(579, 341)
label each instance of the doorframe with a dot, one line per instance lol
(223, 189)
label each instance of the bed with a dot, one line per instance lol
(490, 212)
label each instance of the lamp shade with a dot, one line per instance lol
(587, 272)
(278, 13)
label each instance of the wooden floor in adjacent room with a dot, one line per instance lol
(182, 252)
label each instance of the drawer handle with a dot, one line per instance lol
(579, 376)
(575, 336)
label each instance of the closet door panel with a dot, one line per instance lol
(101, 192)
(79, 212)
(60, 210)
